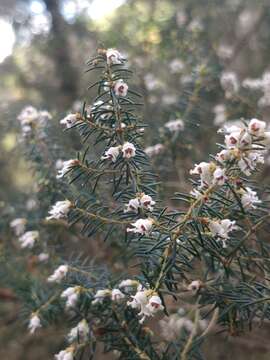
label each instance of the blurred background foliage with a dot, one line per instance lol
(178, 50)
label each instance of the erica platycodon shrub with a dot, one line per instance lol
(197, 268)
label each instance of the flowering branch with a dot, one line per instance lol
(213, 232)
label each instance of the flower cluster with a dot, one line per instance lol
(59, 210)
(249, 198)
(141, 226)
(147, 302)
(221, 229)
(27, 239)
(245, 145)
(141, 201)
(30, 118)
(114, 294)
(209, 173)
(128, 151)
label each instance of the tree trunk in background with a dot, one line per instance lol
(60, 52)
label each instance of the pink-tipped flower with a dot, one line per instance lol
(66, 166)
(111, 154)
(114, 56)
(256, 127)
(120, 88)
(34, 323)
(59, 210)
(70, 120)
(128, 150)
(141, 226)
(58, 274)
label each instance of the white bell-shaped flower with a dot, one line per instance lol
(141, 226)
(28, 239)
(114, 56)
(58, 274)
(34, 323)
(59, 210)
(66, 166)
(257, 127)
(18, 225)
(70, 120)
(120, 88)
(128, 150)
(147, 202)
(219, 176)
(133, 205)
(71, 294)
(222, 228)
(81, 332)
(111, 154)
(205, 171)
(249, 198)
